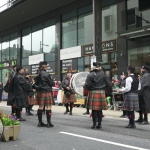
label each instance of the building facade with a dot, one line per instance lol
(61, 33)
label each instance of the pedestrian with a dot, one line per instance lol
(131, 102)
(122, 84)
(96, 83)
(31, 99)
(44, 94)
(144, 96)
(1, 91)
(11, 100)
(69, 95)
(19, 89)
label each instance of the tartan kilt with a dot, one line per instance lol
(31, 100)
(71, 99)
(131, 102)
(44, 98)
(97, 100)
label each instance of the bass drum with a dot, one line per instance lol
(1, 129)
(77, 81)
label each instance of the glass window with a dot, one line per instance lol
(37, 42)
(85, 29)
(87, 63)
(0, 51)
(114, 64)
(80, 65)
(25, 61)
(105, 58)
(26, 45)
(139, 57)
(48, 39)
(69, 33)
(5, 48)
(13, 48)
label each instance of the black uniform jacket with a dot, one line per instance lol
(65, 83)
(97, 80)
(20, 88)
(44, 82)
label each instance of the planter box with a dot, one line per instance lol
(11, 132)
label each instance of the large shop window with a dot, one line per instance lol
(69, 33)
(0, 51)
(37, 43)
(5, 48)
(13, 48)
(85, 29)
(139, 56)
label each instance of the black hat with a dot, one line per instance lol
(43, 63)
(96, 64)
(18, 68)
(122, 73)
(131, 67)
(145, 67)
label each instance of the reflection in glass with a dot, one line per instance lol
(85, 29)
(80, 65)
(13, 48)
(69, 33)
(87, 63)
(37, 42)
(49, 39)
(5, 50)
(26, 46)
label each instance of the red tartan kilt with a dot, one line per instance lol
(71, 99)
(97, 100)
(44, 98)
(31, 100)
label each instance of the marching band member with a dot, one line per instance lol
(96, 83)
(69, 96)
(44, 94)
(131, 102)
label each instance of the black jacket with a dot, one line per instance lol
(65, 83)
(44, 82)
(122, 83)
(20, 88)
(97, 80)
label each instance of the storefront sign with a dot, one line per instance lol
(34, 69)
(69, 65)
(35, 59)
(87, 50)
(69, 53)
(109, 46)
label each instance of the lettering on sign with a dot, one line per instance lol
(109, 45)
(87, 50)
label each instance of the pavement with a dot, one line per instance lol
(74, 133)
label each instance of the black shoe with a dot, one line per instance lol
(139, 121)
(70, 113)
(42, 125)
(66, 111)
(131, 126)
(144, 123)
(30, 114)
(86, 113)
(21, 119)
(94, 128)
(98, 126)
(50, 125)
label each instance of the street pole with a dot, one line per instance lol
(97, 40)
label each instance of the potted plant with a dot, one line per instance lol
(11, 127)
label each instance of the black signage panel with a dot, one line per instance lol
(34, 68)
(109, 46)
(69, 65)
(51, 67)
(87, 50)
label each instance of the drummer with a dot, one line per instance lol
(96, 82)
(69, 96)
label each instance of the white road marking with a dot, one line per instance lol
(103, 141)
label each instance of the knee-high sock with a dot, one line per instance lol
(140, 115)
(145, 117)
(99, 114)
(40, 115)
(131, 117)
(94, 117)
(66, 105)
(48, 115)
(71, 107)
(18, 113)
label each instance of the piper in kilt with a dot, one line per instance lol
(131, 102)
(31, 99)
(69, 96)
(96, 83)
(43, 86)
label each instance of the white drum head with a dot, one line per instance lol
(77, 81)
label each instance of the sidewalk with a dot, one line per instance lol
(79, 111)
